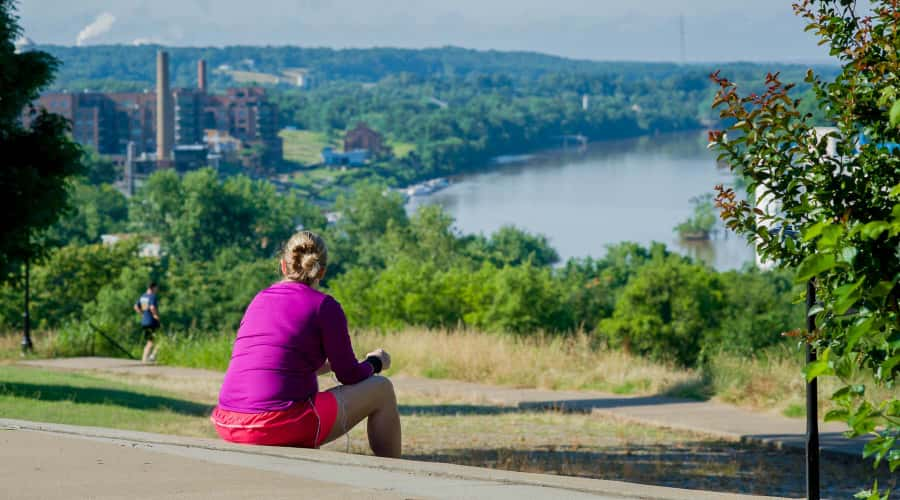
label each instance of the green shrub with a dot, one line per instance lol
(666, 311)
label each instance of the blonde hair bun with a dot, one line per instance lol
(305, 256)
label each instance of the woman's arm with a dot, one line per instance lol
(338, 350)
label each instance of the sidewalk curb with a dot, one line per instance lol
(406, 467)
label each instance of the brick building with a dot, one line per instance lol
(107, 122)
(190, 120)
(246, 114)
(363, 137)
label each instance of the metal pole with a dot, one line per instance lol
(812, 407)
(27, 346)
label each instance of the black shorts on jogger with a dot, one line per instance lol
(149, 331)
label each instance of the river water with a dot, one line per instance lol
(629, 190)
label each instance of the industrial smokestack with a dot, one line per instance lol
(129, 168)
(201, 75)
(165, 120)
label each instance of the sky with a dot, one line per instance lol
(641, 30)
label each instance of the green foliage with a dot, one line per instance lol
(418, 271)
(96, 210)
(111, 311)
(69, 279)
(199, 214)
(370, 219)
(38, 160)
(758, 309)
(703, 220)
(511, 246)
(489, 117)
(372, 299)
(125, 67)
(100, 170)
(66, 282)
(844, 203)
(158, 203)
(518, 299)
(209, 295)
(666, 311)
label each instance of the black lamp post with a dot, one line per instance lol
(812, 387)
(27, 346)
(812, 407)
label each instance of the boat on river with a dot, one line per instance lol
(428, 187)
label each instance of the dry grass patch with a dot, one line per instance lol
(11, 345)
(545, 362)
(774, 381)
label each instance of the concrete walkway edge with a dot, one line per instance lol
(392, 471)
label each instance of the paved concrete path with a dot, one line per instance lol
(726, 421)
(52, 461)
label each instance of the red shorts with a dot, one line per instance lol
(302, 425)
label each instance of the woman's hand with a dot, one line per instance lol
(383, 356)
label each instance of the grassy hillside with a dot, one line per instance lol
(304, 146)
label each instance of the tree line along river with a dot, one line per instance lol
(584, 199)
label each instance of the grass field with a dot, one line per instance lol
(248, 77)
(304, 146)
(401, 149)
(71, 398)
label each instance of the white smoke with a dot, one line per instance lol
(100, 26)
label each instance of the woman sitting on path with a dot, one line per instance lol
(290, 333)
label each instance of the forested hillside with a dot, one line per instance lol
(105, 64)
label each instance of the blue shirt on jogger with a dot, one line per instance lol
(144, 303)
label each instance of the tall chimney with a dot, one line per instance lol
(129, 168)
(201, 75)
(165, 123)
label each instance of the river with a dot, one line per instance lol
(626, 190)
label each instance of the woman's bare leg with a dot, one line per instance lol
(374, 399)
